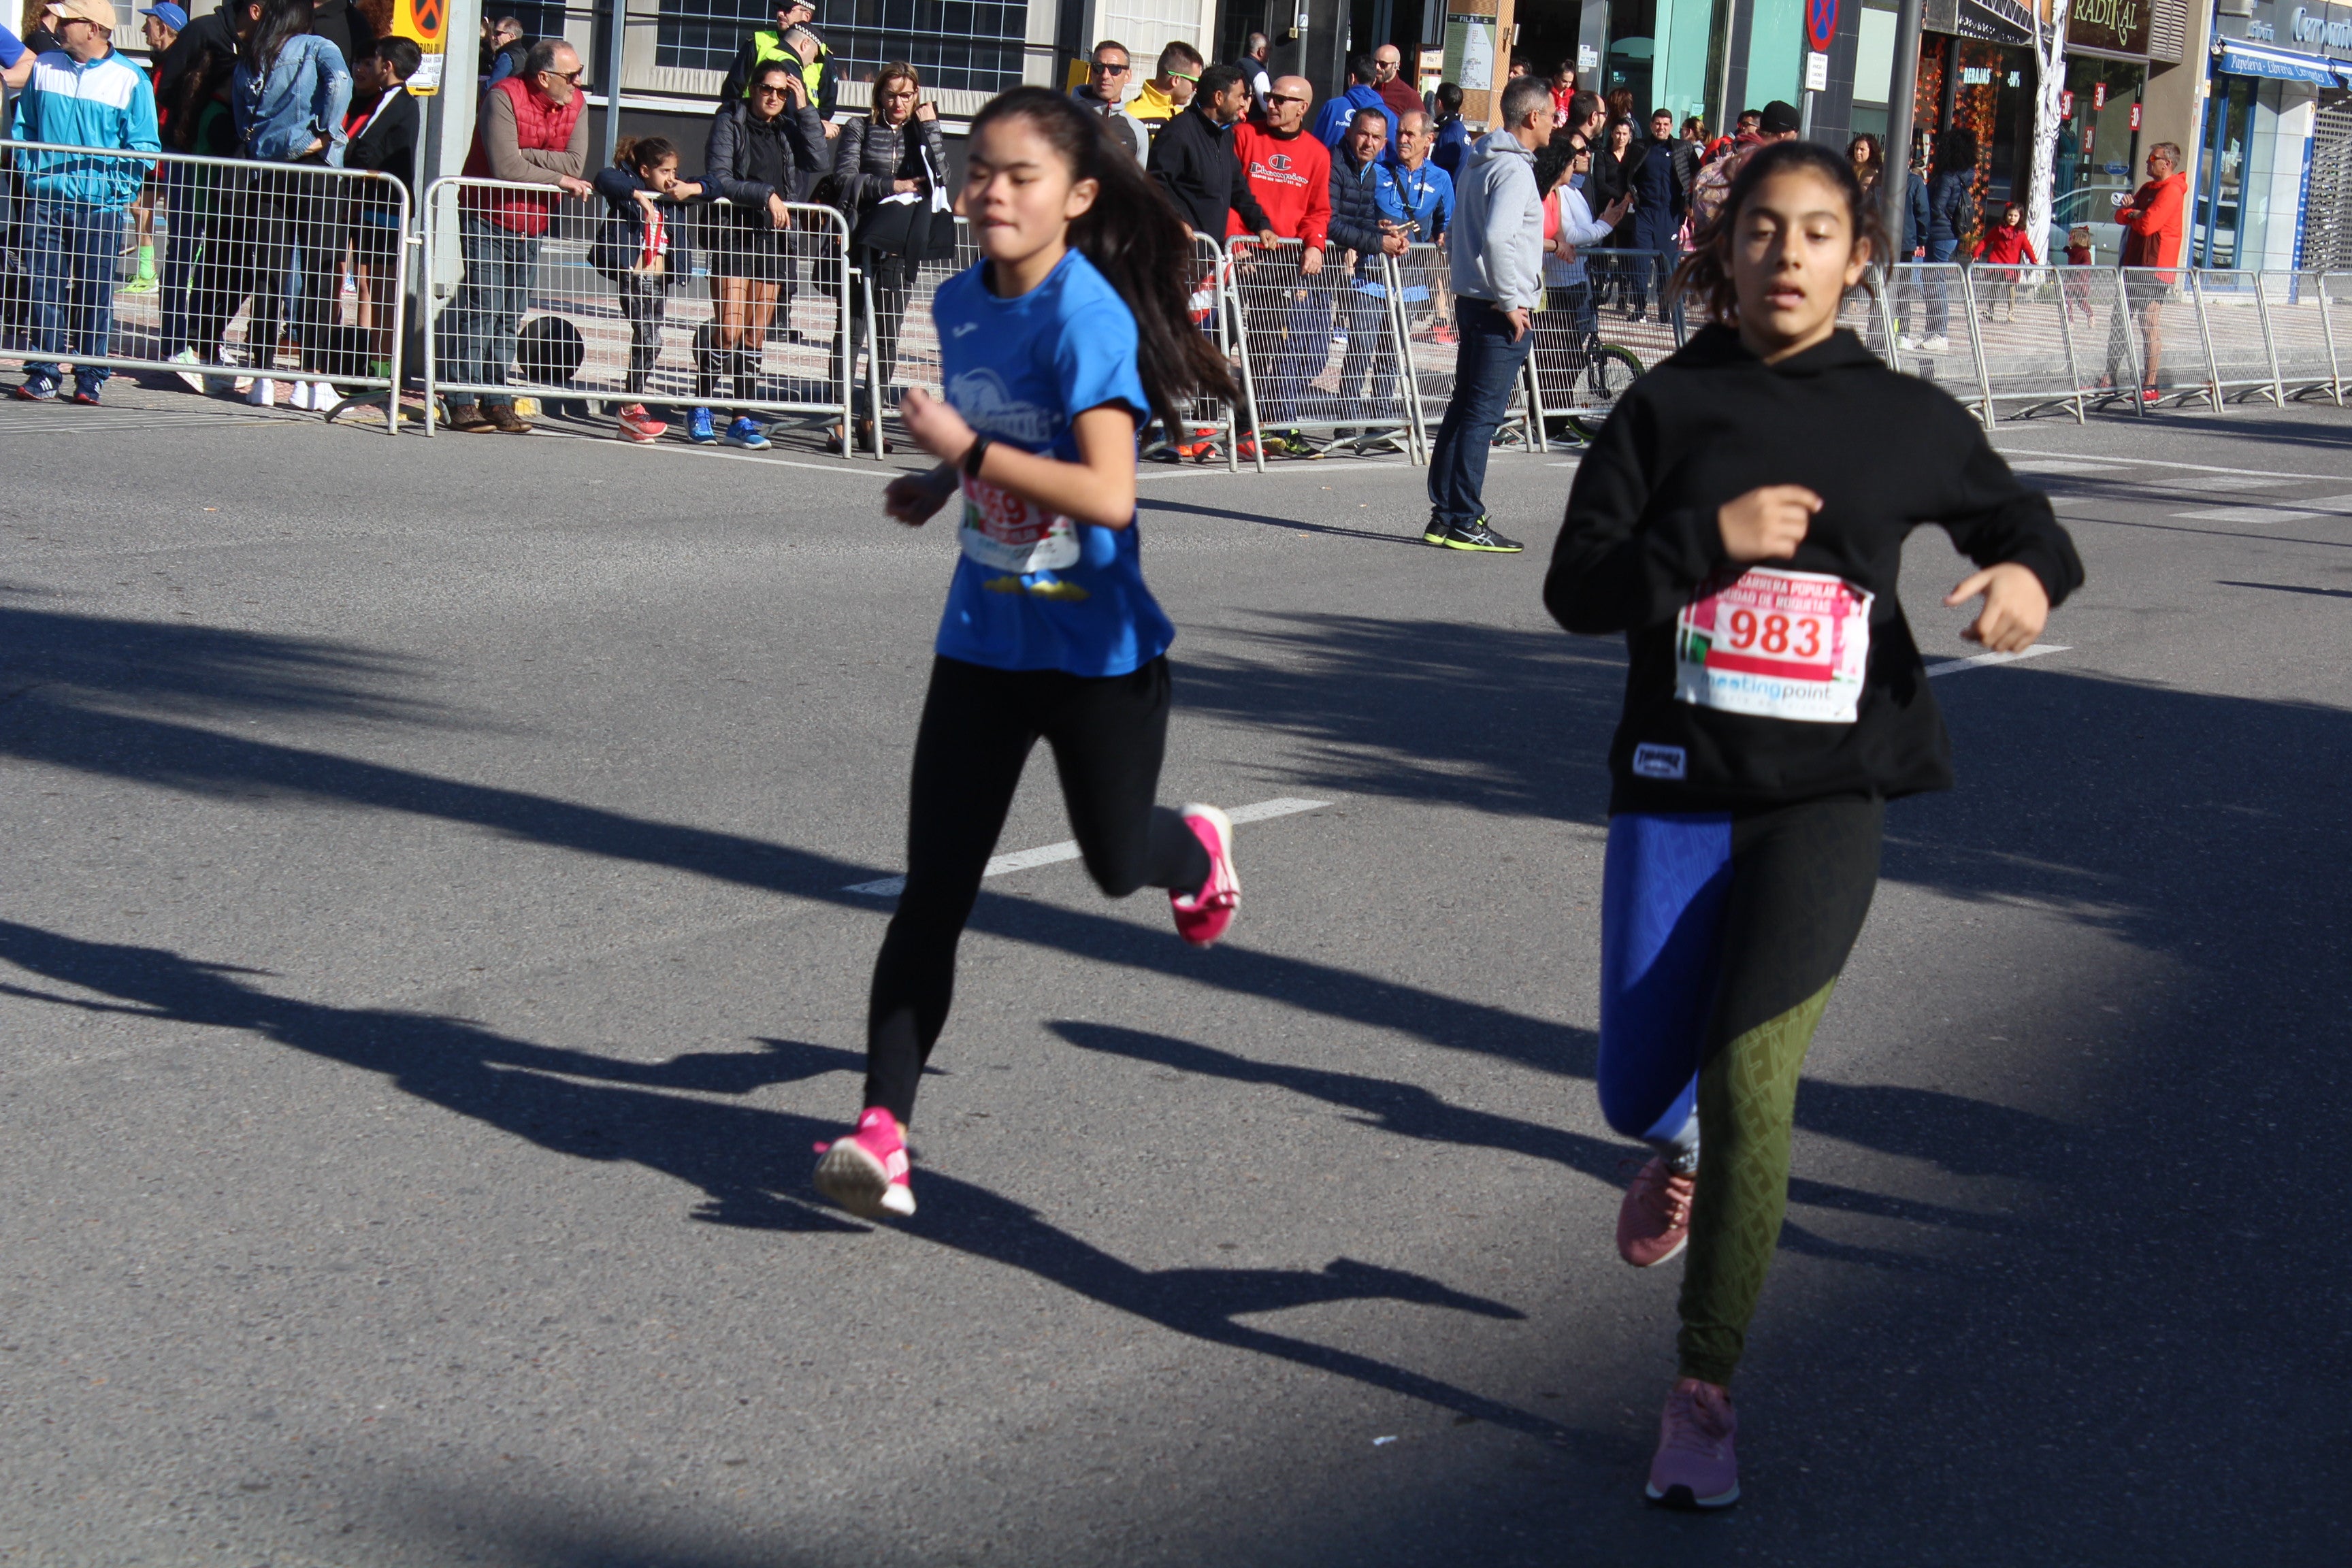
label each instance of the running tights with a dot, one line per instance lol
(978, 726)
(1721, 938)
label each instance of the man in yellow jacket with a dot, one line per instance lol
(1166, 95)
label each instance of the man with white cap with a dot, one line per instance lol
(83, 95)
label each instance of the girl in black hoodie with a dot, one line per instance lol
(1740, 521)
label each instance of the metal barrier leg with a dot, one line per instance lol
(2269, 342)
(2205, 336)
(1976, 346)
(2327, 326)
(2066, 341)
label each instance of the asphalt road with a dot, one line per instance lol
(425, 963)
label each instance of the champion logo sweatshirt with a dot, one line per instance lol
(1887, 453)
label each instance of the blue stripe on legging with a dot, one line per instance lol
(1662, 887)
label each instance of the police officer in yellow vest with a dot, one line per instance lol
(814, 59)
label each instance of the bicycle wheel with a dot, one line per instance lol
(1609, 373)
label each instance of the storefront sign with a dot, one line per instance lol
(1995, 22)
(2274, 65)
(2098, 96)
(2326, 31)
(2135, 117)
(2066, 106)
(2120, 26)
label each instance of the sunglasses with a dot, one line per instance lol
(1283, 98)
(1179, 76)
(571, 75)
(766, 91)
(1109, 70)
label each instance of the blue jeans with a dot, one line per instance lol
(1939, 287)
(1486, 365)
(73, 248)
(188, 204)
(477, 330)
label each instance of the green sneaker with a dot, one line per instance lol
(1478, 536)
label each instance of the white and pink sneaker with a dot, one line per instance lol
(1696, 1465)
(1201, 918)
(865, 1173)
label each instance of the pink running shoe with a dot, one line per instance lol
(1201, 918)
(1694, 1467)
(865, 1173)
(1653, 1222)
(636, 424)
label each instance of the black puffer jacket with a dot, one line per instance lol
(1355, 215)
(869, 155)
(728, 159)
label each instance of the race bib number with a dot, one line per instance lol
(1005, 533)
(1776, 644)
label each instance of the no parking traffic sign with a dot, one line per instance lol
(1821, 23)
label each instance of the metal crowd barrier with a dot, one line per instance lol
(304, 266)
(2302, 334)
(1426, 304)
(752, 323)
(1596, 335)
(1321, 353)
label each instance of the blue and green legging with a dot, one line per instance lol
(1721, 937)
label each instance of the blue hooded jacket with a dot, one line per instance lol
(300, 101)
(1332, 121)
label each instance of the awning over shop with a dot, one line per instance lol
(2280, 65)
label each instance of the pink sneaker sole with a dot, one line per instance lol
(1201, 918)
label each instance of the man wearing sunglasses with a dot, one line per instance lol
(1165, 95)
(1105, 91)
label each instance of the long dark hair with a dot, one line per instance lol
(281, 21)
(1136, 241)
(1706, 272)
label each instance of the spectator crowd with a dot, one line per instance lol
(291, 88)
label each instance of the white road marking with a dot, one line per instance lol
(1068, 849)
(2233, 482)
(2162, 463)
(2244, 516)
(1987, 660)
(2065, 466)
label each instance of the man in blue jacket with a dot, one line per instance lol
(83, 95)
(1336, 120)
(1659, 201)
(1359, 223)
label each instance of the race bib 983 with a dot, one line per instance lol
(1774, 643)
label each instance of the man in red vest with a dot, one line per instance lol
(2152, 227)
(530, 133)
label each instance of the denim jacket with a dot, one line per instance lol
(301, 102)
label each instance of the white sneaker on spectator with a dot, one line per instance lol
(195, 380)
(1906, 343)
(1934, 342)
(264, 394)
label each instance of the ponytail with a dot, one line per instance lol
(1134, 237)
(638, 154)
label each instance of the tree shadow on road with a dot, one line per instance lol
(749, 1163)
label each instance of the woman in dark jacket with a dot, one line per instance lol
(897, 151)
(1951, 219)
(756, 150)
(1603, 185)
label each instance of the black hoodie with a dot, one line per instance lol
(1715, 682)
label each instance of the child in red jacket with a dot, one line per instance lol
(2006, 245)
(2076, 286)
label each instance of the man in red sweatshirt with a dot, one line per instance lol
(1289, 172)
(2152, 227)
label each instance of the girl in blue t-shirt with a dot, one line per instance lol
(1072, 331)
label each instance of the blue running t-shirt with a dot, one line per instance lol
(1035, 590)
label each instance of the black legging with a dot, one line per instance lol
(978, 726)
(889, 277)
(267, 216)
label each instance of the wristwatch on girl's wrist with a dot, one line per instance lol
(973, 457)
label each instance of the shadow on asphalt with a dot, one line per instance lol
(750, 1163)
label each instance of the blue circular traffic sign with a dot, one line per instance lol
(1821, 23)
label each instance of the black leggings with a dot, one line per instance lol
(979, 723)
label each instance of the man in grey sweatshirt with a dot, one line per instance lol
(1495, 249)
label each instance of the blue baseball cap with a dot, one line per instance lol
(173, 17)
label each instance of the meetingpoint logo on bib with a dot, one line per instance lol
(1775, 643)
